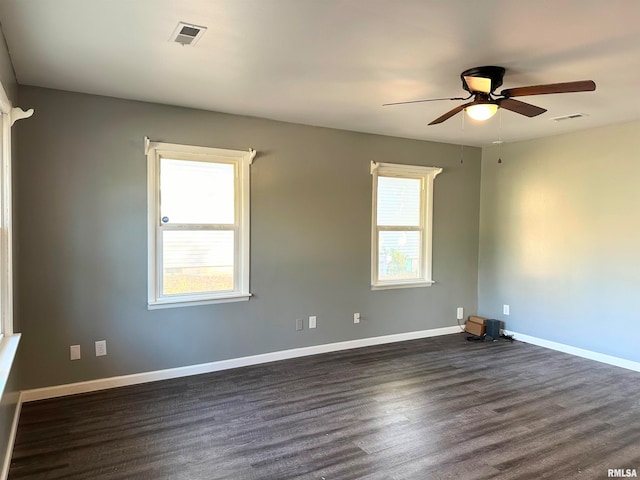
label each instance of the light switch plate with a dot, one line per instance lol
(101, 348)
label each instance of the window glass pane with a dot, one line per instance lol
(398, 255)
(196, 192)
(399, 201)
(197, 261)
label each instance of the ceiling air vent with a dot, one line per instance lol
(569, 117)
(187, 33)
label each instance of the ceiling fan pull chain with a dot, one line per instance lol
(462, 143)
(500, 136)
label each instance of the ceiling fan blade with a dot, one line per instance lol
(450, 113)
(427, 100)
(520, 107)
(581, 86)
(478, 84)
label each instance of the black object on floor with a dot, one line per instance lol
(475, 338)
(493, 328)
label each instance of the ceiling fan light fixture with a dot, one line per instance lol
(481, 111)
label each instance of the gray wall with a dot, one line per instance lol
(7, 76)
(83, 242)
(560, 238)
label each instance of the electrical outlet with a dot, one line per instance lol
(298, 324)
(356, 318)
(505, 309)
(101, 348)
(312, 321)
(460, 313)
(74, 352)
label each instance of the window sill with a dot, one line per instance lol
(160, 304)
(392, 286)
(8, 348)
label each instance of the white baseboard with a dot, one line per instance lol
(12, 438)
(579, 352)
(136, 378)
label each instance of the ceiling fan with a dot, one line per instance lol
(481, 83)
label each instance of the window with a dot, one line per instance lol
(6, 323)
(8, 338)
(401, 225)
(198, 225)
(8, 116)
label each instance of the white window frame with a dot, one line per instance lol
(9, 115)
(8, 338)
(6, 270)
(242, 160)
(426, 175)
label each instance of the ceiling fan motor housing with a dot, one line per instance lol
(495, 74)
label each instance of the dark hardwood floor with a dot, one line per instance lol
(425, 409)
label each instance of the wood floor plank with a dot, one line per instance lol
(437, 408)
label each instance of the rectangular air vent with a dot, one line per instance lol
(187, 33)
(569, 117)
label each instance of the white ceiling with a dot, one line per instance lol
(334, 63)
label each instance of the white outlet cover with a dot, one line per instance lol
(74, 352)
(460, 313)
(312, 321)
(505, 309)
(356, 318)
